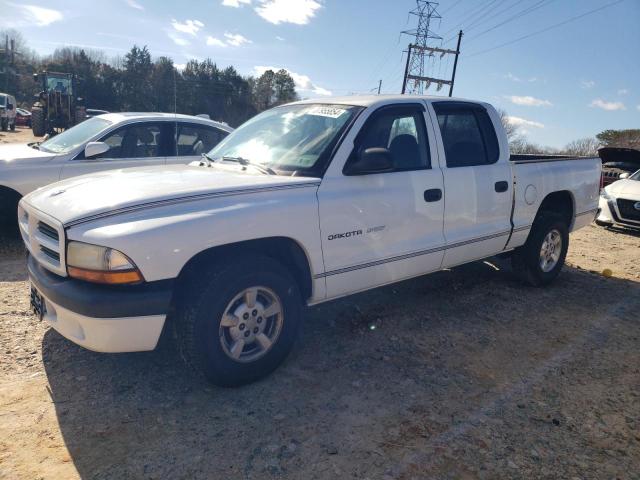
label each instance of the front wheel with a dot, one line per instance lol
(539, 261)
(240, 323)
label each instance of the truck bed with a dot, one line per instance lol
(537, 157)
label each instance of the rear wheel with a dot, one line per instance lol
(539, 261)
(238, 324)
(13, 125)
(3, 125)
(38, 123)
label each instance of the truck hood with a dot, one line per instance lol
(21, 152)
(624, 187)
(107, 193)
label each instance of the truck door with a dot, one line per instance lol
(139, 144)
(381, 227)
(478, 182)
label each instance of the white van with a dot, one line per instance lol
(7, 112)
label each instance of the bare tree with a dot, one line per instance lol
(512, 130)
(582, 147)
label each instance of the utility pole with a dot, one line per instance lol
(455, 64)
(416, 80)
(379, 86)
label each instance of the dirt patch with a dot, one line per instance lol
(462, 374)
(20, 135)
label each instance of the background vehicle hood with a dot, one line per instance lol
(21, 152)
(624, 187)
(100, 193)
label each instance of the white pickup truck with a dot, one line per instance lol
(304, 203)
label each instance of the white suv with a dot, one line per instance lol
(106, 142)
(7, 112)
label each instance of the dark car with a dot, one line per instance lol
(616, 161)
(23, 117)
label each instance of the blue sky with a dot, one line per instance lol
(569, 82)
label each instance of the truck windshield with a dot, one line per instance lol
(3, 100)
(292, 138)
(75, 136)
(58, 84)
(635, 176)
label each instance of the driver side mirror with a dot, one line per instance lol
(624, 175)
(10, 106)
(93, 149)
(371, 160)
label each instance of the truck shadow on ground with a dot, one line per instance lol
(456, 373)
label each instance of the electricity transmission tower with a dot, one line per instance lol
(419, 52)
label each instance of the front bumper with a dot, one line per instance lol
(103, 318)
(608, 213)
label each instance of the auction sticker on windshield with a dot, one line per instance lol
(327, 111)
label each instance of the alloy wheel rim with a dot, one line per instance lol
(550, 251)
(251, 324)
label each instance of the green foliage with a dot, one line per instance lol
(620, 138)
(137, 82)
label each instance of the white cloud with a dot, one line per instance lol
(623, 91)
(298, 12)
(191, 27)
(215, 42)
(528, 101)
(587, 84)
(302, 82)
(30, 15)
(178, 40)
(515, 78)
(236, 40)
(523, 122)
(638, 107)
(134, 4)
(279, 38)
(609, 106)
(235, 3)
(180, 66)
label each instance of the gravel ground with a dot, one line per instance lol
(464, 374)
(20, 135)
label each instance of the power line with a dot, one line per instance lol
(569, 20)
(522, 13)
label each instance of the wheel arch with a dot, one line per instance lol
(561, 202)
(285, 250)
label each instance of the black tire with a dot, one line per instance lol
(9, 210)
(38, 122)
(3, 125)
(13, 125)
(199, 315)
(526, 259)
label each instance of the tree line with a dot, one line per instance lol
(139, 82)
(588, 146)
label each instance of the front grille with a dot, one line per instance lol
(48, 231)
(628, 210)
(43, 237)
(50, 253)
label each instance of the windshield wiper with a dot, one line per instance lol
(206, 160)
(246, 163)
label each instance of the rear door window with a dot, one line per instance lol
(468, 135)
(197, 139)
(139, 140)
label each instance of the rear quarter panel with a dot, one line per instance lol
(536, 180)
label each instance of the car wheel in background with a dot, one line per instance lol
(238, 323)
(539, 261)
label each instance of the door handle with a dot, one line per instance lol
(433, 195)
(502, 186)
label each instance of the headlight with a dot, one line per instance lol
(604, 194)
(100, 264)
